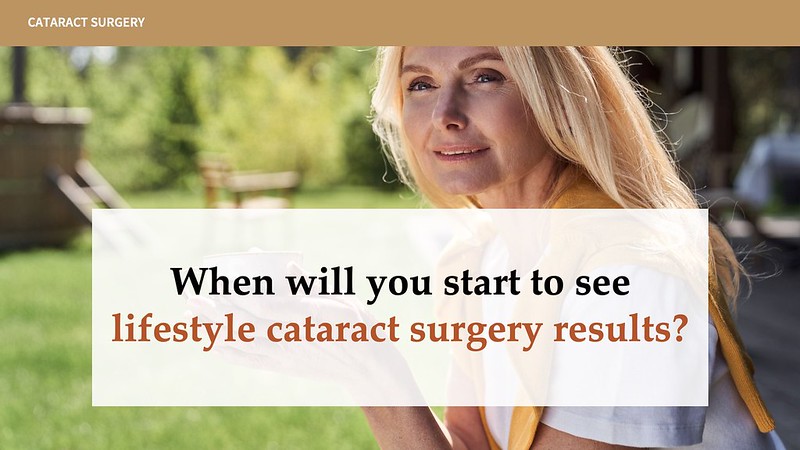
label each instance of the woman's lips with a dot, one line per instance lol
(459, 153)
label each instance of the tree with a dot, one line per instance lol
(175, 146)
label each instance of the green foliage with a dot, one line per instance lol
(364, 158)
(174, 146)
(156, 109)
(51, 80)
(126, 113)
(267, 112)
(262, 111)
(5, 74)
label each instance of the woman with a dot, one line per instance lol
(557, 127)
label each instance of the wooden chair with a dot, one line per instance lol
(248, 189)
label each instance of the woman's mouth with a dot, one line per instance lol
(459, 153)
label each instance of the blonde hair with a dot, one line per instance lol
(593, 117)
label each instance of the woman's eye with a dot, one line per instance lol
(419, 86)
(487, 77)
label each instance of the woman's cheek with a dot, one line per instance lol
(414, 126)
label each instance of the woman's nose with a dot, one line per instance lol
(449, 112)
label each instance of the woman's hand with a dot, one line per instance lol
(313, 337)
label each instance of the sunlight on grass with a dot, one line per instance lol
(45, 360)
(335, 197)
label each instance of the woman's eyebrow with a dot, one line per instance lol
(415, 68)
(472, 60)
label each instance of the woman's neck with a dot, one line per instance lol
(531, 191)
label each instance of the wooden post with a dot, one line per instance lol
(717, 86)
(18, 66)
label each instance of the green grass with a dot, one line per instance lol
(336, 197)
(45, 361)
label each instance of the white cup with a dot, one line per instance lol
(256, 263)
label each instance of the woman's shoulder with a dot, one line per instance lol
(582, 193)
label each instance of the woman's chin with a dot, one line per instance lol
(463, 186)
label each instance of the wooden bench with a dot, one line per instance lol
(248, 189)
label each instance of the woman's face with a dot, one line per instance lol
(469, 127)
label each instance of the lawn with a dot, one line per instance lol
(45, 361)
(339, 197)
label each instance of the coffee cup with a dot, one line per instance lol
(248, 279)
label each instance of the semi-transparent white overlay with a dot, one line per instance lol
(404, 307)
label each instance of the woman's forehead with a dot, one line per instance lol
(457, 57)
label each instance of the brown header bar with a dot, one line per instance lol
(370, 22)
